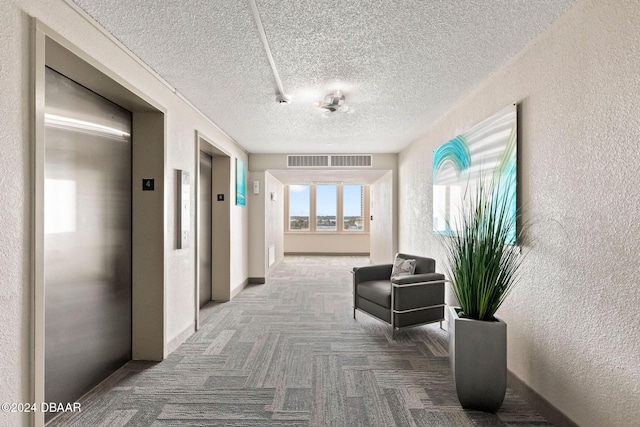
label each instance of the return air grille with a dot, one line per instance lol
(352, 161)
(307, 161)
(332, 160)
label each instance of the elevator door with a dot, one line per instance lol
(205, 232)
(87, 246)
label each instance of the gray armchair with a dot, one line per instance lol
(416, 299)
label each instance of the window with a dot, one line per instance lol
(353, 207)
(327, 208)
(299, 198)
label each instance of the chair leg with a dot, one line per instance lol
(441, 325)
(393, 326)
(393, 316)
(354, 312)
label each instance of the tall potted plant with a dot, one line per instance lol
(482, 266)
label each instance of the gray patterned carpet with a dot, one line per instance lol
(288, 353)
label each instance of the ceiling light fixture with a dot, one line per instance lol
(334, 103)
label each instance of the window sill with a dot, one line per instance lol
(333, 233)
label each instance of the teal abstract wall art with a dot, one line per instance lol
(455, 151)
(487, 150)
(241, 183)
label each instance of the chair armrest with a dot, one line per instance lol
(372, 272)
(418, 279)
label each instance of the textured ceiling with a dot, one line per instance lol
(401, 65)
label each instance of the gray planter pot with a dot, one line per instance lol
(478, 356)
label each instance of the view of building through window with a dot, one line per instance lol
(326, 208)
(299, 202)
(353, 207)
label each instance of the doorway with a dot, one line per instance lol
(87, 242)
(205, 238)
(147, 217)
(213, 224)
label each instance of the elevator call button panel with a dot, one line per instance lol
(185, 209)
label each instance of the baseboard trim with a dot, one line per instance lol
(239, 289)
(180, 338)
(329, 253)
(257, 280)
(274, 266)
(539, 403)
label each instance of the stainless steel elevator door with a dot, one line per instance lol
(87, 249)
(205, 228)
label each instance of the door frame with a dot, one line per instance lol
(201, 221)
(221, 222)
(149, 216)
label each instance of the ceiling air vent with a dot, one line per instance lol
(329, 160)
(307, 161)
(351, 160)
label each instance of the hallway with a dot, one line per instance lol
(288, 353)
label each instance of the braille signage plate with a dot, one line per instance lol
(147, 184)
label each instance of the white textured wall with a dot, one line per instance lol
(330, 243)
(574, 329)
(266, 224)
(182, 122)
(14, 212)
(239, 229)
(257, 251)
(274, 220)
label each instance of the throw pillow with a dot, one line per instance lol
(403, 267)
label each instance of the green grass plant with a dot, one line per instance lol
(480, 263)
